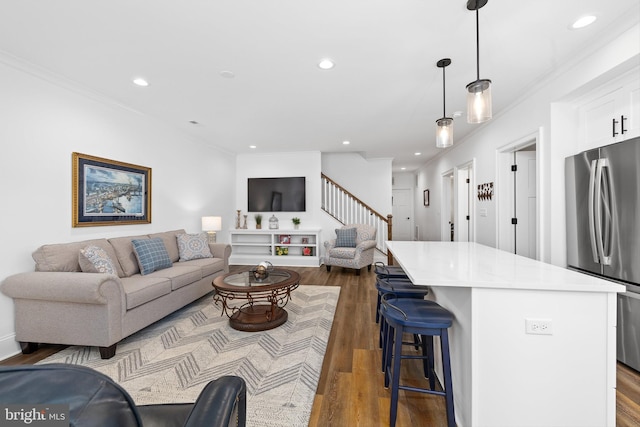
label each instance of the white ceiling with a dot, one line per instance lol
(384, 94)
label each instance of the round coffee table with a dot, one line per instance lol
(253, 305)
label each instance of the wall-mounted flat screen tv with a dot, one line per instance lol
(285, 194)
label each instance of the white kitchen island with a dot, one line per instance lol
(502, 374)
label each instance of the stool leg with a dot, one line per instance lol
(428, 361)
(395, 376)
(387, 354)
(378, 308)
(446, 368)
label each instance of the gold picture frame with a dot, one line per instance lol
(109, 192)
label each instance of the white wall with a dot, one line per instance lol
(42, 123)
(548, 110)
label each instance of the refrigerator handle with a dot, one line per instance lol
(605, 258)
(597, 194)
(592, 225)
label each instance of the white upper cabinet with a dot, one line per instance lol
(612, 114)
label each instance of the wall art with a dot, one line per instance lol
(108, 192)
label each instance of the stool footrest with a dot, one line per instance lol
(421, 390)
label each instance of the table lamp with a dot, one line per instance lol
(211, 224)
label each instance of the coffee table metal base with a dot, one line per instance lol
(257, 318)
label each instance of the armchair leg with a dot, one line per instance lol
(357, 272)
(328, 268)
(369, 267)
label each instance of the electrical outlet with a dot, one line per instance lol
(539, 326)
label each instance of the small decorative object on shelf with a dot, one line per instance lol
(258, 218)
(244, 226)
(285, 239)
(296, 223)
(238, 219)
(305, 240)
(261, 271)
(282, 251)
(307, 251)
(273, 223)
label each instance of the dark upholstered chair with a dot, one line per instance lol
(95, 400)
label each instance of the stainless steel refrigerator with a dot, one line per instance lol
(603, 229)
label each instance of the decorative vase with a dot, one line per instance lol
(244, 226)
(258, 226)
(238, 219)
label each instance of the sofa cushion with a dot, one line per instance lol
(64, 256)
(180, 275)
(342, 253)
(94, 259)
(346, 237)
(142, 289)
(124, 253)
(208, 265)
(193, 246)
(170, 242)
(151, 255)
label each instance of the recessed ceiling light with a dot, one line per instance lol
(457, 114)
(583, 22)
(403, 168)
(140, 81)
(227, 74)
(417, 154)
(326, 64)
(252, 146)
(346, 142)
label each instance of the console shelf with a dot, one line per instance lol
(281, 247)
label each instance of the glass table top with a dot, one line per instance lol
(247, 278)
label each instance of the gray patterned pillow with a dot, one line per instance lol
(346, 237)
(93, 259)
(193, 246)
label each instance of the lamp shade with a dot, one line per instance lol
(444, 132)
(211, 223)
(479, 101)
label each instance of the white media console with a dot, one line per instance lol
(281, 247)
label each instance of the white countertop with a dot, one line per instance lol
(468, 264)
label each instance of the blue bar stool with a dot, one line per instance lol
(389, 271)
(427, 319)
(398, 288)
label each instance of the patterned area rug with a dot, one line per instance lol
(173, 359)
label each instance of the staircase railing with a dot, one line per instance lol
(348, 209)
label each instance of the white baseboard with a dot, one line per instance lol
(8, 346)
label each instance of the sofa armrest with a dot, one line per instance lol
(82, 288)
(223, 402)
(222, 251)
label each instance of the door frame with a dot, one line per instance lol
(504, 191)
(447, 208)
(411, 209)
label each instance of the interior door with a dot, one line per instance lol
(525, 203)
(402, 214)
(463, 222)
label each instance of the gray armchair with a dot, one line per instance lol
(93, 399)
(353, 247)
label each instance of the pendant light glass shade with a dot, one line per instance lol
(479, 101)
(479, 91)
(444, 133)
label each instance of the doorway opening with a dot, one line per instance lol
(464, 217)
(447, 226)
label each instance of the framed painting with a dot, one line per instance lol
(425, 195)
(108, 192)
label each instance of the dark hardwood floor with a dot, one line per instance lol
(350, 391)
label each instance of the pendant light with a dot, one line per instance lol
(444, 132)
(479, 91)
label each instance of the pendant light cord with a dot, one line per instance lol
(477, 43)
(444, 95)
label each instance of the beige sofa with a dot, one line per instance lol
(58, 303)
